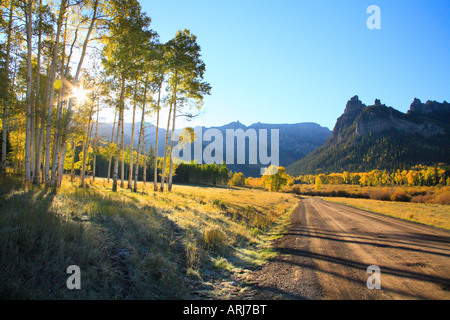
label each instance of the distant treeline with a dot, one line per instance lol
(418, 176)
(202, 174)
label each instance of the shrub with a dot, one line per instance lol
(238, 180)
(443, 198)
(221, 263)
(219, 203)
(383, 195)
(400, 196)
(343, 193)
(214, 238)
(193, 255)
(361, 195)
(422, 198)
(296, 189)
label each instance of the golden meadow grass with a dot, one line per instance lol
(146, 244)
(416, 194)
(131, 245)
(426, 213)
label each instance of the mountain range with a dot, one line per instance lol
(295, 140)
(380, 137)
(365, 137)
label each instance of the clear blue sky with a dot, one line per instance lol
(300, 61)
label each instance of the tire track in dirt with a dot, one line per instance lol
(289, 276)
(328, 247)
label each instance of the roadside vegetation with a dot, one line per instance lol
(426, 204)
(133, 245)
(421, 184)
(423, 194)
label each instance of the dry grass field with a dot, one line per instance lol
(432, 214)
(144, 245)
(416, 194)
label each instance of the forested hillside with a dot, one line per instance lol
(379, 137)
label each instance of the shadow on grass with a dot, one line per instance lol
(125, 248)
(123, 253)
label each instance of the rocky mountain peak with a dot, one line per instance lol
(353, 109)
(430, 108)
(354, 106)
(378, 136)
(359, 119)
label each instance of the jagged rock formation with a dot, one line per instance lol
(378, 136)
(353, 109)
(359, 119)
(430, 108)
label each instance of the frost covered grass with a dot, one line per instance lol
(128, 245)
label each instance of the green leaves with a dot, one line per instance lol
(186, 67)
(129, 40)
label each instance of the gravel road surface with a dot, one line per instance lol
(328, 248)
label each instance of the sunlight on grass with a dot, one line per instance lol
(430, 214)
(132, 245)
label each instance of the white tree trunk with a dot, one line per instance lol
(172, 140)
(6, 101)
(155, 169)
(51, 90)
(75, 83)
(29, 30)
(130, 170)
(112, 140)
(163, 173)
(141, 133)
(38, 108)
(117, 157)
(95, 143)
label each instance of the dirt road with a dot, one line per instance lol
(329, 246)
